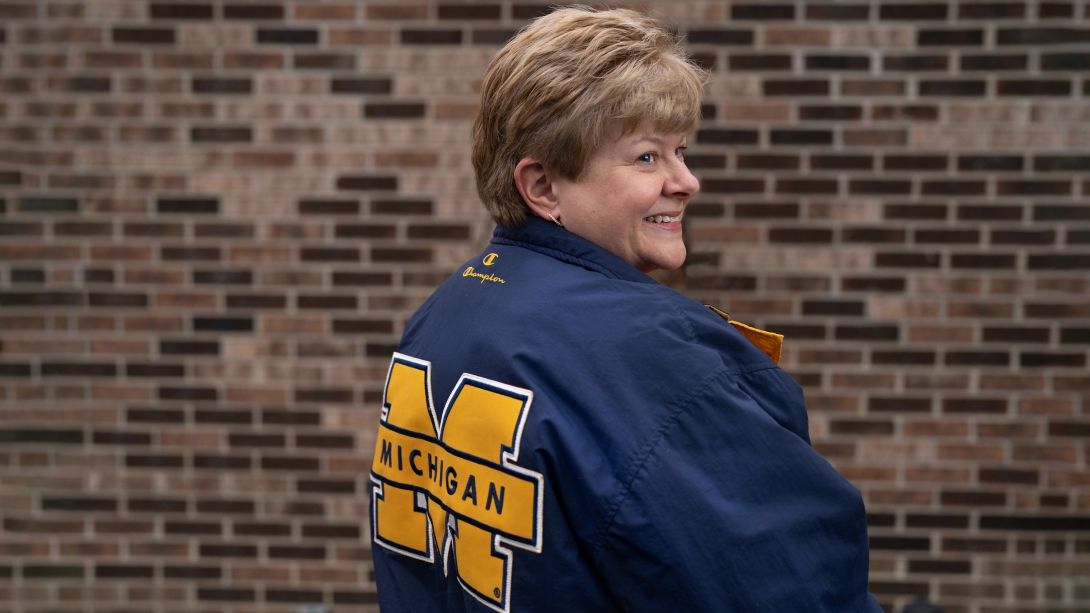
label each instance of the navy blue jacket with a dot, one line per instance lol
(562, 433)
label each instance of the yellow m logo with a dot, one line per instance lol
(448, 483)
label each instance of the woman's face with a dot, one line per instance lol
(631, 198)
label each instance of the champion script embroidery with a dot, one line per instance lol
(469, 272)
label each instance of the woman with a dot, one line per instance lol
(560, 432)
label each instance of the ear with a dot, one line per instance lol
(535, 184)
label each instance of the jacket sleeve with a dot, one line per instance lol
(730, 510)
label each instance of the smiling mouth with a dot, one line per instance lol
(662, 218)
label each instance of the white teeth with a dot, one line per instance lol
(661, 218)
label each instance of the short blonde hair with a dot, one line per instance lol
(557, 89)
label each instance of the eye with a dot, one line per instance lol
(646, 158)
(680, 152)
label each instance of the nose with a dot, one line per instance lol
(681, 184)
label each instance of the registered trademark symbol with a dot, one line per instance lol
(496, 592)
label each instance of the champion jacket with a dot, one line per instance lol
(562, 433)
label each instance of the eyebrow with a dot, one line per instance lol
(656, 140)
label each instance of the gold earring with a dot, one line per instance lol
(555, 220)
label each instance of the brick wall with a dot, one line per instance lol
(216, 216)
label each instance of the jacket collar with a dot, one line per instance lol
(552, 240)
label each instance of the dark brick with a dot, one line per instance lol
(49, 437)
(40, 299)
(253, 11)
(739, 38)
(797, 331)
(867, 333)
(289, 463)
(221, 85)
(723, 282)
(167, 347)
(872, 284)
(221, 134)
(900, 543)
(469, 11)
(733, 186)
(991, 63)
(899, 405)
(861, 427)
(947, 236)
(983, 260)
(355, 85)
(953, 88)
(1041, 36)
(329, 207)
(190, 206)
(492, 36)
(223, 324)
(110, 437)
(1065, 61)
(230, 507)
(990, 163)
(1035, 87)
(144, 36)
(953, 188)
(191, 572)
(117, 571)
(950, 38)
(916, 63)
(914, 162)
(727, 137)
(223, 277)
(800, 137)
(1015, 335)
(1059, 262)
(1007, 475)
(977, 358)
(974, 405)
(332, 532)
(800, 235)
(990, 213)
(766, 210)
(904, 358)
(763, 62)
(1023, 237)
(1075, 336)
(38, 571)
(324, 61)
(696, 161)
(287, 36)
(249, 529)
(304, 418)
(912, 12)
(155, 416)
(256, 301)
(431, 37)
(1035, 523)
(221, 462)
(973, 499)
(77, 369)
(1044, 360)
(992, 10)
(221, 416)
(297, 553)
(180, 11)
(1051, 10)
(393, 111)
(1061, 212)
(837, 12)
(879, 186)
(228, 551)
(153, 461)
(355, 598)
(367, 183)
(326, 486)
(225, 594)
(1061, 163)
(936, 520)
(832, 307)
(237, 439)
(82, 505)
(811, 112)
(46, 204)
(296, 596)
(975, 545)
(841, 162)
(807, 186)
(941, 567)
(837, 62)
(329, 254)
(100, 299)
